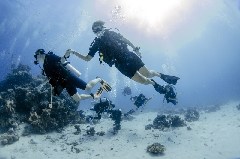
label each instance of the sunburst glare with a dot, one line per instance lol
(150, 12)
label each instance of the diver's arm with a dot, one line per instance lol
(135, 49)
(128, 42)
(83, 57)
(68, 65)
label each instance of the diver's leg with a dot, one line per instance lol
(151, 73)
(72, 91)
(79, 83)
(104, 84)
(92, 83)
(138, 77)
(78, 97)
(148, 73)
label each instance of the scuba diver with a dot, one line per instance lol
(140, 100)
(169, 94)
(127, 91)
(113, 50)
(63, 75)
(106, 106)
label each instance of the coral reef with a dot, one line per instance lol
(192, 115)
(163, 122)
(128, 116)
(91, 131)
(7, 110)
(101, 133)
(116, 116)
(24, 98)
(9, 138)
(20, 76)
(238, 107)
(148, 127)
(156, 149)
(42, 123)
(77, 127)
(176, 121)
(106, 106)
(46, 119)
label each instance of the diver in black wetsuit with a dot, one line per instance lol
(62, 75)
(106, 106)
(113, 50)
(140, 100)
(169, 94)
(127, 91)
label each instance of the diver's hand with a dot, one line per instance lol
(63, 60)
(68, 52)
(136, 50)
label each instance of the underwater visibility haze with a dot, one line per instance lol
(197, 41)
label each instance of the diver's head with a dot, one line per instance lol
(39, 56)
(98, 26)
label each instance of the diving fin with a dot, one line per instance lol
(160, 89)
(105, 86)
(99, 91)
(169, 79)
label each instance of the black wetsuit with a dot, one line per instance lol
(115, 52)
(60, 77)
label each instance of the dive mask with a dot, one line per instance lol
(38, 52)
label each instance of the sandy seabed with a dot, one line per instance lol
(215, 135)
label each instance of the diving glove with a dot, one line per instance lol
(169, 79)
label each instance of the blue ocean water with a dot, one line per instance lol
(199, 43)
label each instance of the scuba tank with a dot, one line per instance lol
(72, 69)
(69, 67)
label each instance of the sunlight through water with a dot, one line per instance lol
(150, 12)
